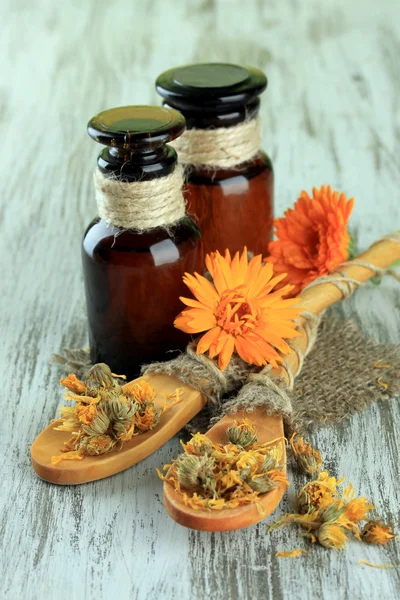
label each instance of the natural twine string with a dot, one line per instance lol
(140, 205)
(221, 146)
(345, 284)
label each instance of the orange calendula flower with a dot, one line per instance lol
(72, 383)
(142, 392)
(86, 413)
(332, 536)
(312, 237)
(320, 493)
(240, 311)
(356, 509)
(376, 532)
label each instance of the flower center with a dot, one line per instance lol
(234, 313)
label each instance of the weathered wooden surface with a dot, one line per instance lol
(331, 115)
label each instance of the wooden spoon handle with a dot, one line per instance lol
(319, 297)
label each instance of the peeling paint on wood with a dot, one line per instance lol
(331, 115)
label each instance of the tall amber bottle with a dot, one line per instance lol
(229, 180)
(138, 248)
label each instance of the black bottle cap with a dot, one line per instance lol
(137, 128)
(211, 89)
(136, 138)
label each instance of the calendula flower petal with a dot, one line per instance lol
(225, 354)
(194, 320)
(202, 289)
(208, 339)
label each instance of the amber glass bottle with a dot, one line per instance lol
(231, 192)
(133, 271)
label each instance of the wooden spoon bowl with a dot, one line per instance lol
(71, 472)
(268, 429)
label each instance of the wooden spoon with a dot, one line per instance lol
(268, 429)
(315, 300)
(69, 472)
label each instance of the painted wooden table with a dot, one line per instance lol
(330, 115)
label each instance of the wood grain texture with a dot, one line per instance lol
(331, 115)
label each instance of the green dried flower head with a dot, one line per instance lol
(308, 459)
(122, 412)
(121, 408)
(99, 377)
(262, 484)
(304, 502)
(99, 444)
(269, 463)
(242, 434)
(99, 424)
(331, 513)
(307, 465)
(201, 444)
(194, 471)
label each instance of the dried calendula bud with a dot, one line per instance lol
(332, 536)
(269, 463)
(142, 392)
(99, 424)
(121, 409)
(279, 477)
(73, 384)
(319, 493)
(99, 444)
(308, 459)
(376, 532)
(331, 513)
(98, 378)
(193, 471)
(86, 413)
(147, 417)
(242, 433)
(262, 483)
(247, 464)
(357, 509)
(200, 444)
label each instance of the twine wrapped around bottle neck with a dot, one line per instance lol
(140, 205)
(222, 147)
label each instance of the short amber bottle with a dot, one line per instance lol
(133, 277)
(233, 205)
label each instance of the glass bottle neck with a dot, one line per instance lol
(203, 117)
(133, 166)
